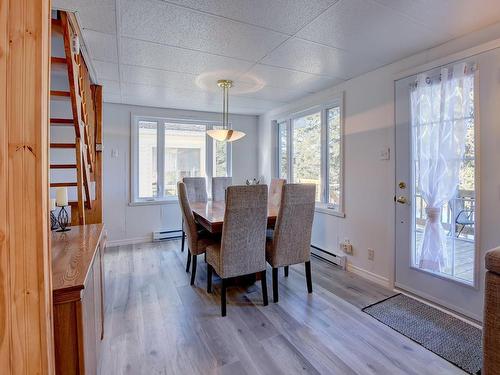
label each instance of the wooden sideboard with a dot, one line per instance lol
(78, 298)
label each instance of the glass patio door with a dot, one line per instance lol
(435, 199)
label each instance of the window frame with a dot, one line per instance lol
(134, 156)
(322, 206)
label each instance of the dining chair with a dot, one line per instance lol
(219, 185)
(242, 247)
(197, 240)
(196, 188)
(291, 241)
(275, 190)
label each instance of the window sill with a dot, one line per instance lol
(322, 208)
(154, 203)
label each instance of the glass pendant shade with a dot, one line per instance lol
(225, 134)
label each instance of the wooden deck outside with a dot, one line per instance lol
(463, 266)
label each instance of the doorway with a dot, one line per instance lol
(436, 199)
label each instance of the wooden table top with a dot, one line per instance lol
(72, 255)
(211, 215)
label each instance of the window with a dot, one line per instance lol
(282, 149)
(164, 151)
(306, 151)
(309, 150)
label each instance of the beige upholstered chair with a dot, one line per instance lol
(291, 239)
(275, 190)
(219, 185)
(197, 240)
(491, 327)
(196, 188)
(242, 247)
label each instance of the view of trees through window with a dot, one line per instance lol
(334, 134)
(313, 161)
(220, 157)
(282, 149)
(306, 151)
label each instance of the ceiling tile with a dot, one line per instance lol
(169, 24)
(452, 17)
(106, 70)
(290, 80)
(315, 58)
(187, 99)
(101, 46)
(286, 16)
(157, 77)
(367, 28)
(153, 55)
(255, 89)
(97, 15)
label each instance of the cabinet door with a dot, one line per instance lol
(89, 324)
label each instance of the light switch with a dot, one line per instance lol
(385, 153)
(114, 153)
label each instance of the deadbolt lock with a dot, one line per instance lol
(402, 185)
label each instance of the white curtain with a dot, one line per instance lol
(439, 108)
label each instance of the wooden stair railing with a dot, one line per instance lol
(86, 119)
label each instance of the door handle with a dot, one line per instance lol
(401, 199)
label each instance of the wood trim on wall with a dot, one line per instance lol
(26, 338)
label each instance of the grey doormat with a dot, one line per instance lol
(450, 338)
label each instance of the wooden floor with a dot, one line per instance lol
(156, 323)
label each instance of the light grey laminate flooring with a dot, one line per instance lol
(156, 323)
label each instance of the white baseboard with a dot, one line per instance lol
(130, 241)
(384, 281)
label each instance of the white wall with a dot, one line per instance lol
(369, 182)
(126, 223)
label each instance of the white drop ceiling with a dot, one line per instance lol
(171, 53)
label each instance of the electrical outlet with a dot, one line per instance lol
(346, 247)
(371, 254)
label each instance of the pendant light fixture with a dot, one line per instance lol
(225, 134)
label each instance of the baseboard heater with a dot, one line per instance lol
(166, 235)
(339, 260)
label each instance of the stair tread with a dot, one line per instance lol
(58, 60)
(63, 166)
(60, 93)
(61, 121)
(62, 145)
(63, 184)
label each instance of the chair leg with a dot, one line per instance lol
(275, 285)
(263, 281)
(193, 272)
(188, 261)
(286, 271)
(182, 241)
(308, 277)
(209, 278)
(223, 298)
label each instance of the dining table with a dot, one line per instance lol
(210, 215)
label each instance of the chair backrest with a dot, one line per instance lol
(292, 232)
(244, 231)
(219, 185)
(196, 188)
(275, 190)
(187, 216)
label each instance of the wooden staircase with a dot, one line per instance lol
(85, 100)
